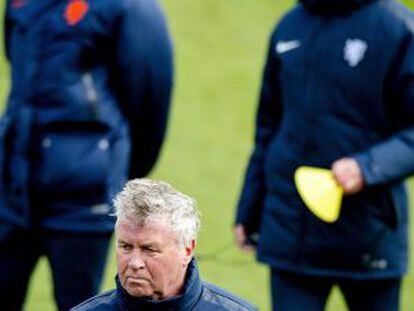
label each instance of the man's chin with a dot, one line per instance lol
(138, 288)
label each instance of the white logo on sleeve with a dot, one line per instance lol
(354, 51)
(286, 46)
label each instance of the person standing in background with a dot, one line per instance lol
(90, 94)
(338, 92)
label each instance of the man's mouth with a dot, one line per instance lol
(138, 280)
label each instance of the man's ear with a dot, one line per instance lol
(189, 251)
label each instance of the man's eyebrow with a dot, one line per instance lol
(150, 244)
(120, 240)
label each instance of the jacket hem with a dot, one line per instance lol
(343, 274)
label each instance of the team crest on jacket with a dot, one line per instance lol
(354, 51)
(76, 11)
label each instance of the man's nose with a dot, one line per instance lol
(136, 262)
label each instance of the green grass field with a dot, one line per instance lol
(220, 47)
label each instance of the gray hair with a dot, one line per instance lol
(142, 200)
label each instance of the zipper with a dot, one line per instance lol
(91, 93)
(309, 112)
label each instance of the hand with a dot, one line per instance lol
(348, 175)
(242, 240)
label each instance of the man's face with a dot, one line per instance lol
(151, 263)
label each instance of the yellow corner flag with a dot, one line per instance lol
(320, 192)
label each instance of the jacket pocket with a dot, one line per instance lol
(365, 222)
(399, 202)
(74, 159)
(382, 207)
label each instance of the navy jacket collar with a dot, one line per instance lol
(190, 296)
(326, 7)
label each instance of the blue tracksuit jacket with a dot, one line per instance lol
(339, 82)
(90, 92)
(197, 296)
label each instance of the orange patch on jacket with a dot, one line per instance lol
(76, 11)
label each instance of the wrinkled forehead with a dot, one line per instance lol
(157, 228)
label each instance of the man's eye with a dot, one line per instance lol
(125, 247)
(151, 249)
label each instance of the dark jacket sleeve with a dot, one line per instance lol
(144, 74)
(6, 25)
(393, 159)
(267, 120)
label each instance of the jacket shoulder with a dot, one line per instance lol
(296, 12)
(214, 297)
(103, 302)
(296, 19)
(137, 5)
(398, 14)
(110, 12)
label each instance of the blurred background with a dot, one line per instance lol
(219, 53)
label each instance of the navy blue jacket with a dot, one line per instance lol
(339, 82)
(90, 94)
(197, 296)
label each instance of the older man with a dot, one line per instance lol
(156, 233)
